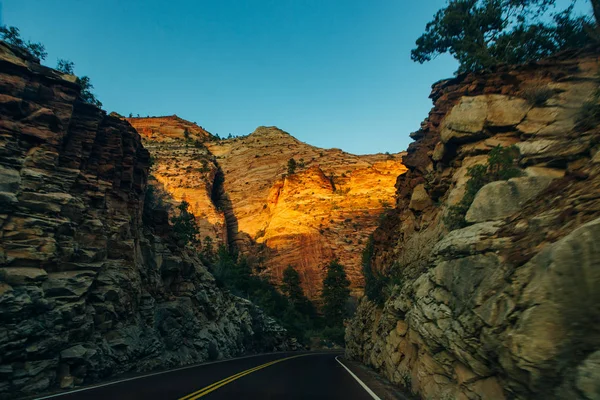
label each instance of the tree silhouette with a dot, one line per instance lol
(335, 294)
(483, 33)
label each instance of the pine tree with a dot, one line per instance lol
(291, 166)
(291, 285)
(185, 228)
(335, 294)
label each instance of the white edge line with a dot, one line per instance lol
(373, 395)
(159, 373)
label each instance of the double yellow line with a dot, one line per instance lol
(216, 385)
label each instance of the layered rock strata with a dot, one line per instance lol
(89, 286)
(506, 307)
(325, 210)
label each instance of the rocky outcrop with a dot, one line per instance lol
(506, 307)
(241, 193)
(89, 287)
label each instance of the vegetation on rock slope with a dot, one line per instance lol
(37, 51)
(483, 33)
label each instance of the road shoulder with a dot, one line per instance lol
(377, 383)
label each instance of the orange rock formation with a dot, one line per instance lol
(325, 210)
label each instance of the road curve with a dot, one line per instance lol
(270, 376)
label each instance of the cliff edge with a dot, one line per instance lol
(91, 287)
(494, 297)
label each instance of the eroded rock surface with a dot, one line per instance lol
(241, 193)
(507, 307)
(88, 288)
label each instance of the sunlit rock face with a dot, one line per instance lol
(90, 287)
(325, 210)
(183, 168)
(506, 307)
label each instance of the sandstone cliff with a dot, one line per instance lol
(89, 287)
(241, 193)
(506, 307)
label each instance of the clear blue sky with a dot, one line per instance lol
(334, 73)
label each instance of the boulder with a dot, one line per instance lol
(499, 199)
(465, 241)
(505, 111)
(467, 120)
(75, 353)
(420, 199)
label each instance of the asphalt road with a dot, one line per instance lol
(271, 376)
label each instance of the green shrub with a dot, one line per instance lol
(501, 165)
(67, 67)
(86, 94)
(12, 36)
(374, 283)
(537, 95)
(334, 334)
(291, 166)
(588, 116)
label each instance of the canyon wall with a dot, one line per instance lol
(241, 193)
(90, 286)
(505, 306)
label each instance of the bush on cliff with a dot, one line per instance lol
(501, 165)
(12, 36)
(86, 95)
(588, 116)
(483, 33)
(65, 66)
(379, 287)
(374, 282)
(291, 166)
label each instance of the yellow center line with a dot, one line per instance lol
(206, 390)
(189, 396)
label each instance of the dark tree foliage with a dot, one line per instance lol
(12, 36)
(236, 273)
(335, 294)
(185, 228)
(291, 284)
(65, 66)
(208, 252)
(291, 166)
(483, 33)
(292, 289)
(374, 282)
(86, 94)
